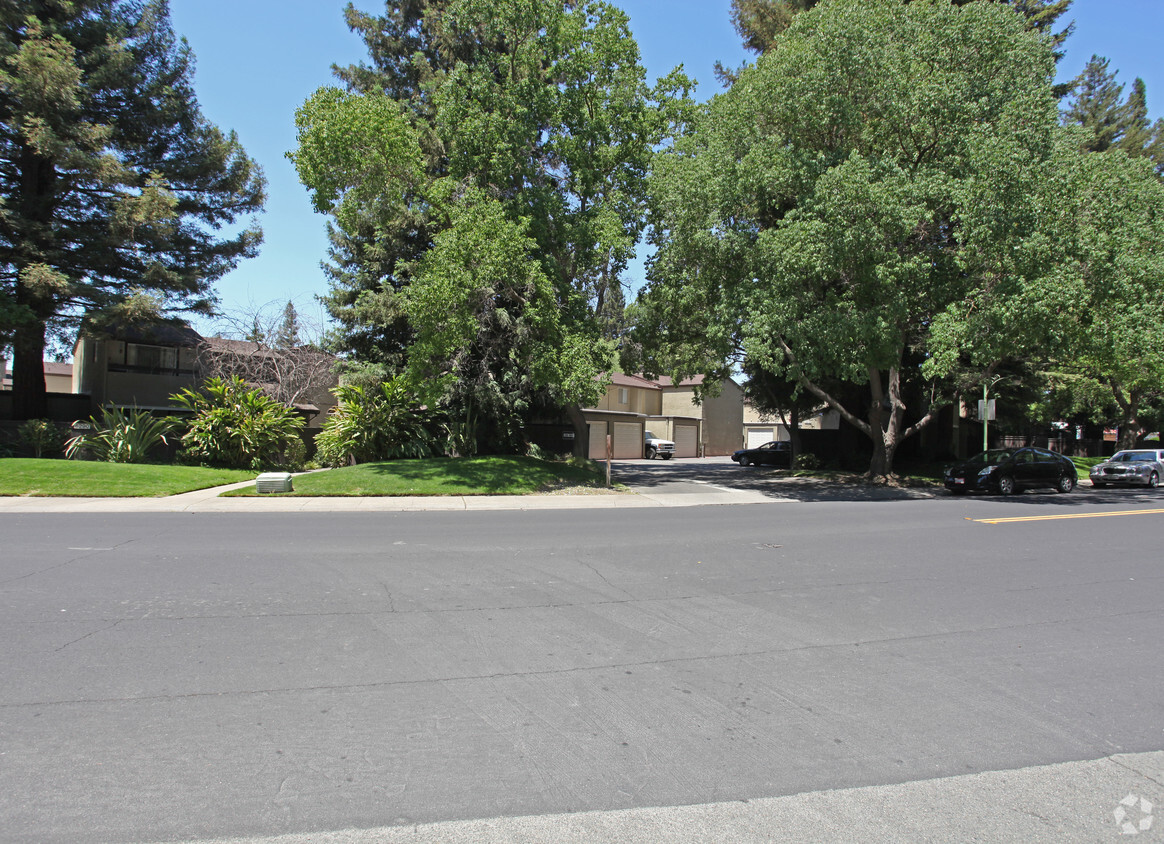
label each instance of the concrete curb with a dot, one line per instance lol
(1066, 802)
(209, 501)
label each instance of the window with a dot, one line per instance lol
(622, 395)
(156, 359)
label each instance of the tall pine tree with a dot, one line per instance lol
(1111, 122)
(114, 188)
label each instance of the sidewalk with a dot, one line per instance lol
(1106, 799)
(208, 501)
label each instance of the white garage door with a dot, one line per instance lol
(686, 443)
(628, 440)
(597, 441)
(758, 436)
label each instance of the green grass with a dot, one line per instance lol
(82, 478)
(1083, 465)
(498, 475)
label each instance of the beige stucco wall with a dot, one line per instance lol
(722, 415)
(723, 420)
(639, 400)
(58, 383)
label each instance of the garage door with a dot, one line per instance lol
(628, 440)
(758, 436)
(686, 443)
(597, 441)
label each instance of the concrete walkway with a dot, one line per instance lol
(1108, 799)
(209, 501)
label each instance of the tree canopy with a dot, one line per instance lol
(761, 22)
(851, 192)
(114, 188)
(513, 135)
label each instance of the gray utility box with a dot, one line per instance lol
(273, 482)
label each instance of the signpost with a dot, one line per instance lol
(986, 411)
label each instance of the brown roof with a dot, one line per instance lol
(621, 379)
(666, 381)
(242, 347)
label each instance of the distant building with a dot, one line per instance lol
(634, 405)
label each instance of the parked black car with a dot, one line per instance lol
(1008, 470)
(769, 454)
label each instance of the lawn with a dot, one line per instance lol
(497, 475)
(83, 478)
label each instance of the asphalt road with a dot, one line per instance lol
(193, 676)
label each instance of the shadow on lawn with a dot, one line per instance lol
(484, 476)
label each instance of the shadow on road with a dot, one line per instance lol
(689, 476)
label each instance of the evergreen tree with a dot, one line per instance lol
(287, 335)
(112, 183)
(1110, 121)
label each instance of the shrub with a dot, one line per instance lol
(807, 460)
(120, 436)
(369, 424)
(40, 437)
(237, 426)
(294, 455)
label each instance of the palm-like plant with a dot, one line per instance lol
(237, 426)
(373, 424)
(120, 436)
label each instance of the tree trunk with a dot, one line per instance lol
(581, 430)
(1129, 405)
(886, 414)
(794, 435)
(29, 398)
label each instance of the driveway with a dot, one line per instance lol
(719, 476)
(719, 480)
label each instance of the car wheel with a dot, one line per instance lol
(1006, 485)
(650, 453)
(1098, 484)
(666, 456)
(1066, 484)
(958, 491)
(745, 460)
(1154, 481)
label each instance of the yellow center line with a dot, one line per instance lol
(1065, 516)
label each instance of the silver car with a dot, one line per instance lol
(1138, 467)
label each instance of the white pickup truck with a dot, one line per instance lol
(653, 445)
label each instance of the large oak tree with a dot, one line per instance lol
(852, 191)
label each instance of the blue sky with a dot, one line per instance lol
(258, 60)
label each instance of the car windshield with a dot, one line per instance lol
(1134, 457)
(992, 457)
(650, 436)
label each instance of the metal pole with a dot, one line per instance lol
(609, 454)
(985, 417)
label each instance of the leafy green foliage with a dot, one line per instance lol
(236, 426)
(369, 424)
(111, 179)
(120, 436)
(529, 117)
(41, 437)
(870, 174)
